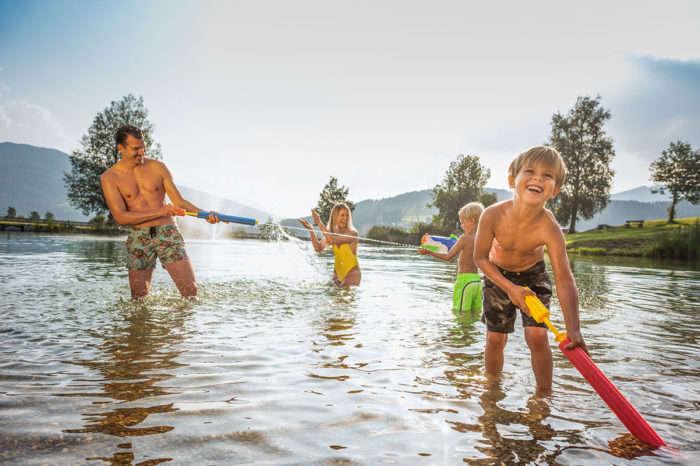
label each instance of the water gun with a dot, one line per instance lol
(438, 243)
(622, 408)
(222, 217)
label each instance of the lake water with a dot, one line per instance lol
(275, 365)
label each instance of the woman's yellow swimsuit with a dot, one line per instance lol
(345, 260)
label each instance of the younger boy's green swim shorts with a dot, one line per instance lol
(467, 293)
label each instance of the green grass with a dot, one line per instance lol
(656, 239)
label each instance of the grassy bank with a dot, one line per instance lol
(656, 239)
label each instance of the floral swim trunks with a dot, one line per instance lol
(144, 244)
(499, 311)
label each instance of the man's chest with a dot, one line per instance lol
(141, 184)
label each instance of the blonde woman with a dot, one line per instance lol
(341, 235)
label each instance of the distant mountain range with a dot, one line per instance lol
(31, 178)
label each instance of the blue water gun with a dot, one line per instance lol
(438, 243)
(224, 218)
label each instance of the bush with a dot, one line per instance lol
(682, 243)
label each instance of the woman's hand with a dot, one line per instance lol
(306, 224)
(316, 217)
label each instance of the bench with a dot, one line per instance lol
(630, 222)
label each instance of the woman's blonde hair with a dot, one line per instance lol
(334, 217)
(547, 156)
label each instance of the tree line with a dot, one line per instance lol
(579, 136)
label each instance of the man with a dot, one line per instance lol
(135, 189)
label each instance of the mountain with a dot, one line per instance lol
(640, 194)
(401, 211)
(31, 178)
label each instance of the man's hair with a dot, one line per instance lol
(126, 130)
(472, 211)
(547, 156)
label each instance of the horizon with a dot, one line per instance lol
(382, 96)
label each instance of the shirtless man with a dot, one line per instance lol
(135, 189)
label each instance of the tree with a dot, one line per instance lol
(678, 169)
(11, 212)
(587, 151)
(464, 182)
(99, 152)
(331, 195)
(48, 216)
(34, 215)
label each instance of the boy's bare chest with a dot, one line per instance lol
(517, 239)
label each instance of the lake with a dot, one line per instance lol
(273, 364)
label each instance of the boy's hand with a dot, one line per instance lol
(576, 340)
(423, 251)
(517, 296)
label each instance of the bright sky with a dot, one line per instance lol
(262, 101)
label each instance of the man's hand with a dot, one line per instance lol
(170, 210)
(213, 218)
(517, 296)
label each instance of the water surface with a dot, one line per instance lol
(275, 365)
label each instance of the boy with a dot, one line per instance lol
(509, 250)
(467, 293)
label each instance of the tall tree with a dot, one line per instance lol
(331, 195)
(464, 182)
(678, 169)
(11, 212)
(587, 151)
(99, 152)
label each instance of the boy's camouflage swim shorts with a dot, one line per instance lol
(499, 311)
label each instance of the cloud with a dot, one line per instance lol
(25, 122)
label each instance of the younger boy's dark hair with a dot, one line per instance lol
(124, 131)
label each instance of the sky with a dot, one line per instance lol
(262, 102)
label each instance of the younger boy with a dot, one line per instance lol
(509, 250)
(467, 293)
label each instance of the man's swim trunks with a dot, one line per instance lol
(144, 244)
(499, 311)
(467, 293)
(345, 260)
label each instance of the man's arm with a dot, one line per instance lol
(175, 196)
(482, 248)
(566, 285)
(449, 255)
(121, 214)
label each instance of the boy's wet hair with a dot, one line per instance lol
(124, 131)
(334, 215)
(545, 155)
(471, 211)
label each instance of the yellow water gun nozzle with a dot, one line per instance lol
(541, 314)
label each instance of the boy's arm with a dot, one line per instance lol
(449, 255)
(566, 286)
(482, 248)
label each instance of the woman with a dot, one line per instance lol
(342, 236)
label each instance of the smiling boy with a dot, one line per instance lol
(509, 250)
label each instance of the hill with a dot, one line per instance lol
(31, 178)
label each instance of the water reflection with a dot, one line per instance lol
(140, 353)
